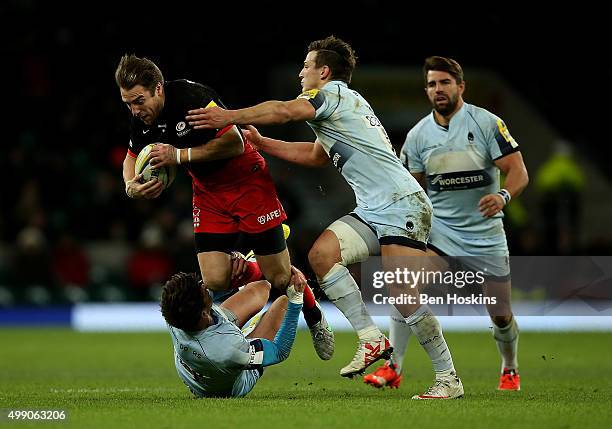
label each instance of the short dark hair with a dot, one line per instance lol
(133, 71)
(443, 64)
(182, 301)
(337, 55)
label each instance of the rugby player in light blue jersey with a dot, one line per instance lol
(457, 153)
(391, 205)
(212, 355)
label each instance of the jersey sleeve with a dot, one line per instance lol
(499, 141)
(323, 101)
(245, 354)
(410, 156)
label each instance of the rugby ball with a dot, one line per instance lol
(165, 174)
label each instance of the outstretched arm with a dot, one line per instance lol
(266, 113)
(278, 350)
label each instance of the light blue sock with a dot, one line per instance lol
(427, 329)
(507, 344)
(341, 289)
(399, 335)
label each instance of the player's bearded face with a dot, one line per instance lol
(443, 92)
(445, 104)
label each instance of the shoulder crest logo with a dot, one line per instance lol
(307, 95)
(503, 130)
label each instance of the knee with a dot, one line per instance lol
(501, 321)
(321, 260)
(259, 291)
(259, 288)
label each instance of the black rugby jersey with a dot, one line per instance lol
(171, 127)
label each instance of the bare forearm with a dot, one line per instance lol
(128, 168)
(302, 153)
(226, 146)
(266, 113)
(211, 152)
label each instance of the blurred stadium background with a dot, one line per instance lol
(69, 235)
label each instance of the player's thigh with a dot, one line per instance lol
(276, 268)
(216, 269)
(401, 250)
(271, 321)
(248, 301)
(400, 257)
(324, 253)
(213, 251)
(435, 261)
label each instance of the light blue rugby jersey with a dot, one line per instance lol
(458, 163)
(358, 146)
(217, 360)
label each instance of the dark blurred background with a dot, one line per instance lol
(68, 233)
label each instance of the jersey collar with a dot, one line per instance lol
(335, 82)
(456, 117)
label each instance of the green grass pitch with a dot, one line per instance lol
(128, 380)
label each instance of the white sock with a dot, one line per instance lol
(399, 335)
(427, 329)
(507, 343)
(341, 289)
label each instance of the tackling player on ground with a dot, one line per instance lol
(212, 355)
(456, 153)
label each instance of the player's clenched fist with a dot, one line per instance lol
(298, 280)
(239, 265)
